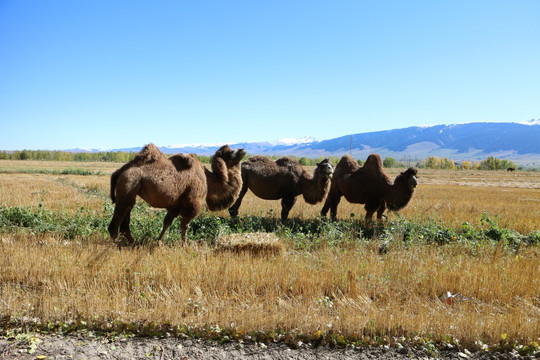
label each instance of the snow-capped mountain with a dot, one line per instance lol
(292, 142)
(519, 142)
(532, 122)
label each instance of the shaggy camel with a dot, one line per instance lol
(283, 179)
(369, 185)
(178, 184)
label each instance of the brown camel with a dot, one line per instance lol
(283, 179)
(178, 184)
(369, 185)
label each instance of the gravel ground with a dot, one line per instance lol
(76, 347)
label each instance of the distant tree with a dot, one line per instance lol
(505, 164)
(447, 163)
(304, 161)
(492, 163)
(433, 162)
(408, 161)
(25, 155)
(389, 162)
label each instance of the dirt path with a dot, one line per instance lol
(76, 347)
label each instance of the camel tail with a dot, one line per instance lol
(114, 178)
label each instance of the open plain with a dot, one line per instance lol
(344, 284)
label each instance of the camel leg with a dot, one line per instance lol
(125, 200)
(233, 210)
(120, 212)
(371, 207)
(188, 212)
(287, 202)
(333, 207)
(325, 207)
(332, 202)
(184, 224)
(171, 215)
(124, 226)
(369, 216)
(380, 211)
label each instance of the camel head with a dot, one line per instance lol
(410, 177)
(230, 157)
(325, 168)
(403, 190)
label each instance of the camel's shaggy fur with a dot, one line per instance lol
(178, 184)
(225, 180)
(369, 185)
(283, 179)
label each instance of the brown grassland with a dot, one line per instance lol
(351, 290)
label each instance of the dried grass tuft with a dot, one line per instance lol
(260, 244)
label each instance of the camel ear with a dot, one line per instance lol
(325, 161)
(410, 171)
(221, 150)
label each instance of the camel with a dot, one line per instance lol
(283, 179)
(369, 185)
(178, 184)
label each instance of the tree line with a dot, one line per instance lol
(110, 156)
(432, 162)
(491, 163)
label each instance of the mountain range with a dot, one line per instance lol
(518, 142)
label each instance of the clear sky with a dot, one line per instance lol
(110, 74)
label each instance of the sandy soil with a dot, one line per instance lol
(76, 347)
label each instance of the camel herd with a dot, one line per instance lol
(180, 183)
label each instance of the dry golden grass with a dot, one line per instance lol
(353, 291)
(55, 192)
(26, 165)
(450, 197)
(252, 243)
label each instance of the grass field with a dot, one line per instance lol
(469, 232)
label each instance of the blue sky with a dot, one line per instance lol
(111, 74)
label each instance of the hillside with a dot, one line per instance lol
(518, 142)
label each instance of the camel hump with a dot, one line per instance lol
(374, 166)
(182, 161)
(150, 153)
(347, 162)
(287, 162)
(258, 162)
(374, 163)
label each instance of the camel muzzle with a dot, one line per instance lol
(239, 154)
(329, 171)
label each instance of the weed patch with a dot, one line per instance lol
(147, 222)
